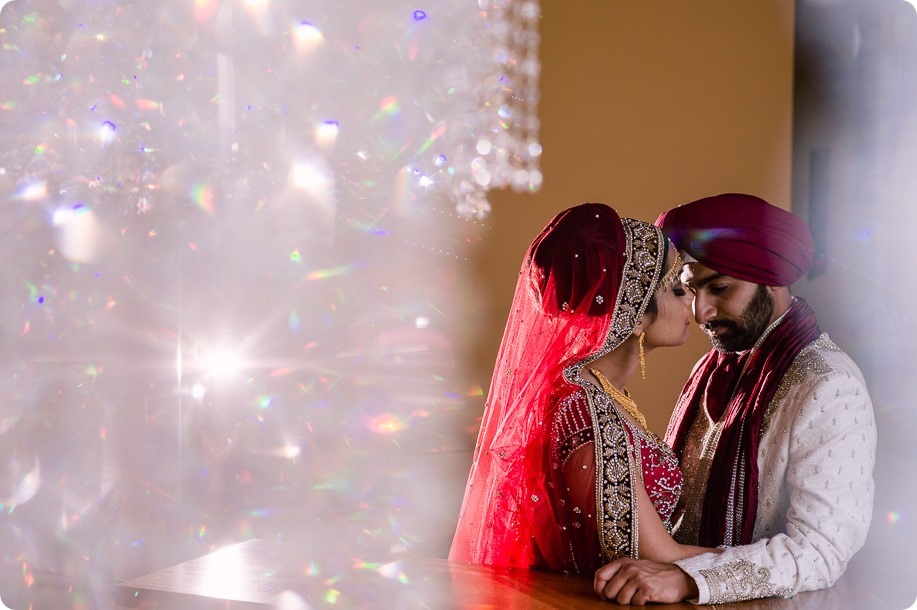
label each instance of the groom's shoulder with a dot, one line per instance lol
(823, 358)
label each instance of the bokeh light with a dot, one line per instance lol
(234, 232)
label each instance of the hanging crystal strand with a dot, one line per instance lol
(528, 148)
(503, 150)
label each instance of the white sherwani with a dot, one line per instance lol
(815, 493)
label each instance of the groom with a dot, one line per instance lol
(774, 429)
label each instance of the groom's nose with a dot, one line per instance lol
(704, 310)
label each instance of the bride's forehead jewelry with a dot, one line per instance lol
(671, 276)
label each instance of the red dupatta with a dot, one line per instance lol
(570, 308)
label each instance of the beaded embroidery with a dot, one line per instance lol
(740, 580)
(624, 452)
(645, 246)
(807, 362)
(570, 430)
(657, 464)
(616, 502)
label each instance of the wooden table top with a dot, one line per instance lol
(269, 574)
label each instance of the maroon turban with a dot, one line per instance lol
(742, 236)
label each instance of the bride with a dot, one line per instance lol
(565, 474)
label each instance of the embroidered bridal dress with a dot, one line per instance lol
(552, 483)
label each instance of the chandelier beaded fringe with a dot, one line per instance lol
(627, 403)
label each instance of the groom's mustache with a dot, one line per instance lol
(714, 324)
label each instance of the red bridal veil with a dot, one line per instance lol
(584, 284)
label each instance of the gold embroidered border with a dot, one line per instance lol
(807, 361)
(740, 580)
(645, 247)
(616, 502)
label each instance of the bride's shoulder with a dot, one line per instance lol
(572, 400)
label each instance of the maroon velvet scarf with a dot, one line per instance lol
(742, 399)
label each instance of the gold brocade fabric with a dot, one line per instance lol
(696, 459)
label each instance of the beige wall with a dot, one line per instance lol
(645, 104)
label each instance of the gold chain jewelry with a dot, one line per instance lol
(642, 357)
(671, 276)
(627, 403)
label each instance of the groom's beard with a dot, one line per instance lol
(742, 334)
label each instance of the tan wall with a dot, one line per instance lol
(645, 104)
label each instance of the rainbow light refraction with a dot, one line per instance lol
(210, 328)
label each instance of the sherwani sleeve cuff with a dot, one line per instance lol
(692, 567)
(740, 573)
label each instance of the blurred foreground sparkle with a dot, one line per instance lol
(198, 391)
(33, 191)
(326, 134)
(307, 36)
(107, 132)
(222, 364)
(387, 424)
(230, 222)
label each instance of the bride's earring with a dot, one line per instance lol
(642, 357)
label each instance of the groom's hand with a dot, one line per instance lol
(639, 581)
